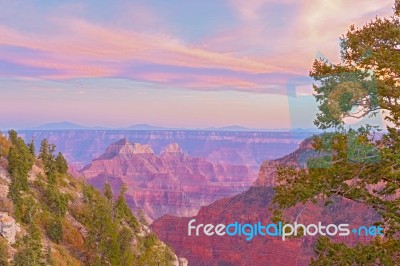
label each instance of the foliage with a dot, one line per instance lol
(30, 252)
(379, 252)
(367, 80)
(20, 162)
(72, 238)
(5, 145)
(61, 257)
(108, 192)
(153, 253)
(25, 208)
(68, 221)
(61, 164)
(4, 252)
(55, 230)
(57, 201)
(54, 165)
(123, 211)
(31, 147)
(102, 232)
(46, 154)
(353, 164)
(109, 240)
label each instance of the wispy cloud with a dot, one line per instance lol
(267, 37)
(85, 43)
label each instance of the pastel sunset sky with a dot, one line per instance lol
(172, 63)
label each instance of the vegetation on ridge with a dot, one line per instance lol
(65, 221)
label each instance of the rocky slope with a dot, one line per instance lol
(252, 206)
(170, 183)
(58, 220)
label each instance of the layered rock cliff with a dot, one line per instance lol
(232, 147)
(253, 206)
(170, 183)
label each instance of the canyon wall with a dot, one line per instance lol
(171, 182)
(251, 207)
(233, 147)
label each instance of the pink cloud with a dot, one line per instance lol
(82, 42)
(314, 29)
(250, 10)
(199, 81)
(83, 49)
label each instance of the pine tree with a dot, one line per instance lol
(55, 231)
(20, 161)
(5, 145)
(108, 191)
(56, 201)
(351, 162)
(122, 209)
(4, 252)
(31, 252)
(61, 164)
(44, 152)
(31, 146)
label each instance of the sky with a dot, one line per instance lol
(172, 63)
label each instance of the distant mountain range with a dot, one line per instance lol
(148, 127)
(60, 126)
(66, 125)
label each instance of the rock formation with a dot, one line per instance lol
(173, 148)
(233, 147)
(8, 227)
(170, 183)
(252, 206)
(123, 147)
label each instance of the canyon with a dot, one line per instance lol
(171, 182)
(169, 171)
(248, 148)
(252, 206)
(213, 177)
